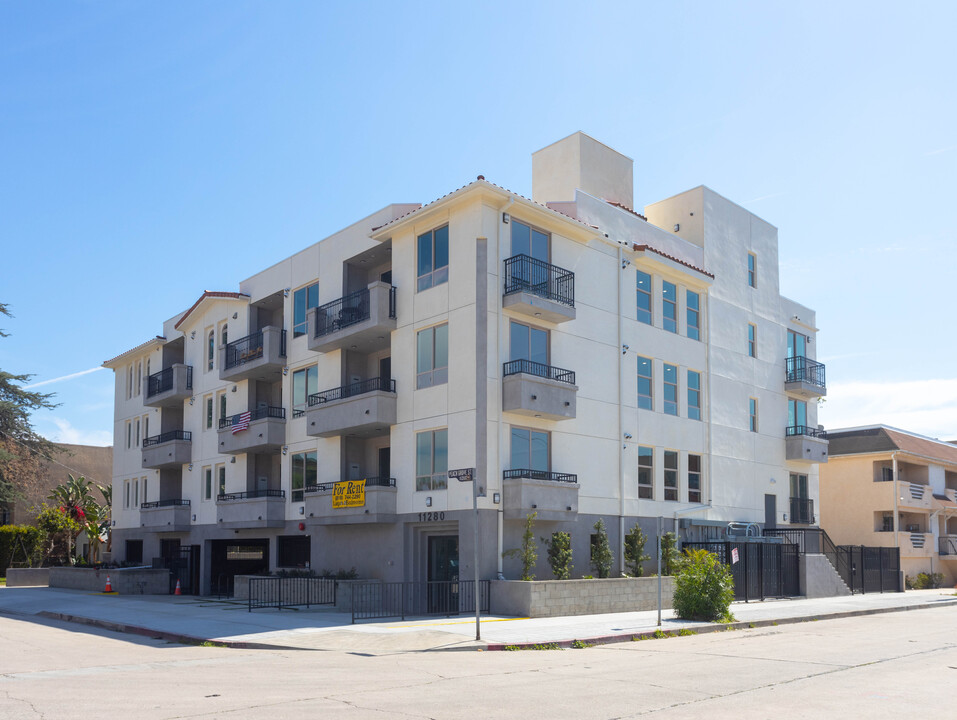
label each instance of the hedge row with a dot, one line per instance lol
(11, 551)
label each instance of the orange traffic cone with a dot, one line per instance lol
(175, 592)
(109, 587)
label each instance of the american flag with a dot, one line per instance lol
(241, 422)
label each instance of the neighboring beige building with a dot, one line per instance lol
(891, 488)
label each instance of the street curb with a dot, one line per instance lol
(714, 627)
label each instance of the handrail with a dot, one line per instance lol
(167, 437)
(257, 414)
(171, 502)
(803, 369)
(162, 381)
(351, 390)
(513, 367)
(527, 274)
(249, 348)
(807, 430)
(250, 494)
(539, 475)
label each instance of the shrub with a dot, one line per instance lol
(669, 554)
(19, 545)
(528, 553)
(601, 550)
(560, 554)
(704, 588)
(635, 551)
(924, 581)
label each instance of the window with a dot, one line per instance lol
(210, 349)
(146, 426)
(694, 478)
(694, 395)
(529, 450)
(693, 315)
(887, 474)
(646, 473)
(797, 414)
(304, 473)
(645, 397)
(528, 343)
(644, 298)
(129, 434)
(224, 334)
(752, 270)
(526, 240)
(432, 356)
(432, 460)
(305, 382)
(137, 436)
(134, 551)
(209, 411)
(753, 410)
(293, 551)
(752, 340)
(671, 475)
(129, 383)
(207, 483)
(669, 307)
(126, 493)
(887, 523)
(139, 377)
(671, 389)
(221, 478)
(797, 344)
(136, 493)
(145, 493)
(222, 405)
(433, 268)
(303, 300)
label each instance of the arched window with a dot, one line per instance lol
(211, 353)
(224, 333)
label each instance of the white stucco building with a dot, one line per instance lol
(589, 362)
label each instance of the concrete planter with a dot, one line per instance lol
(28, 577)
(551, 598)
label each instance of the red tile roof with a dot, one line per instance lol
(627, 209)
(210, 294)
(640, 248)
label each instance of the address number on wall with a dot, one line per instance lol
(431, 516)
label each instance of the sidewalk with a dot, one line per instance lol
(196, 619)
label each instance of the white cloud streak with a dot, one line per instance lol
(941, 151)
(927, 407)
(62, 378)
(66, 433)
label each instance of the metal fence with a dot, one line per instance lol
(167, 437)
(280, 592)
(539, 475)
(872, 569)
(763, 570)
(528, 274)
(513, 367)
(163, 380)
(351, 390)
(405, 599)
(802, 369)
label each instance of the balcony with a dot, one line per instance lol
(914, 495)
(916, 544)
(252, 509)
(363, 409)
(169, 387)
(537, 390)
(261, 430)
(802, 511)
(378, 504)
(947, 546)
(168, 450)
(538, 289)
(805, 444)
(804, 377)
(362, 321)
(554, 496)
(172, 515)
(260, 356)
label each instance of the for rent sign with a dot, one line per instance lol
(349, 494)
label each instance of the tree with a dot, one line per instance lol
(528, 553)
(669, 554)
(560, 554)
(601, 557)
(635, 551)
(21, 449)
(76, 501)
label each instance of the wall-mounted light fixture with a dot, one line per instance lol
(285, 449)
(191, 466)
(192, 335)
(192, 400)
(506, 217)
(428, 501)
(677, 227)
(232, 460)
(496, 498)
(194, 517)
(285, 371)
(302, 510)
(235, 315)
(235, 388)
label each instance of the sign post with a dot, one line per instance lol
(659, 569)
(468, 475)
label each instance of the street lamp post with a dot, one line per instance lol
(468, 475)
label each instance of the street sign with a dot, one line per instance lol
(462, 475)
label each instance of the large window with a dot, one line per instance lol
(752, 270)
(797, 413)
(432, 460)
(432, 356)
(528, 343)
(527, 240)
(207, 483)
(210, 349)
(644, 298)
(303, 300)
(529, 450)
(433, 267)
(293, 551)
(222, 405)
(797, 344)
(671, 475)
(671, 389)
(752, 340)
(694, 395)
(209, 412)
(645, 394)
(694, 315)
(305, 382)
(669, 306)
(646, 473)
(304, 474)
(694, 478)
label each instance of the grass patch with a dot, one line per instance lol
(685, 632)
(543, 646)
(580, 644)
(3, 581)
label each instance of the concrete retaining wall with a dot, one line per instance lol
(125, 581)
(550, 598)
(26, 577)
(818, 578)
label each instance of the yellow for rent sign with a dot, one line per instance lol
(349, 494)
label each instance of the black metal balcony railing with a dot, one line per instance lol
(802, 511)
(947, 546)
(239, 352)
(172, 502)
(167, 437)
(513, 367)
(370, 482)
(348, 310)
(540, 475)
(528, 274)
(257, 414)
(250, 494)
(163, 380)
(795, 430)
(802, 369)
(347, 391)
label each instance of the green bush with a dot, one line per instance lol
(669, 554)
(704, 588)
(635, 551)
(27, 553)
(560, 554)
(601, 550)
(924, 581)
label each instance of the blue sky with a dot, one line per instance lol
(149, 152)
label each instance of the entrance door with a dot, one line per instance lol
(385, 462)
(385, 373)
(229, 558)
(443, 574)
(770, 511)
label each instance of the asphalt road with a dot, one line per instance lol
(876, 666)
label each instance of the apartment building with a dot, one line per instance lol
(586, 360)
(886, 487)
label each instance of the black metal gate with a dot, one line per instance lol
(760, 570)
(872, 569)
(183, 564)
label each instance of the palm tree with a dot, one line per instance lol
(76, 501)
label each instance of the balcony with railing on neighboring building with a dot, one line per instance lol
(362, 321)
(351, 502)
(538, 390)
(806, 444)
(805, 377)
(553, 495)
(947, 546)
(258, 356)
(262, 508)
(913, 495)
(169, 515)
(802, 511)
(168, 450)
(169, 387)
(539, 289)
(366, 409)
(262, 430)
